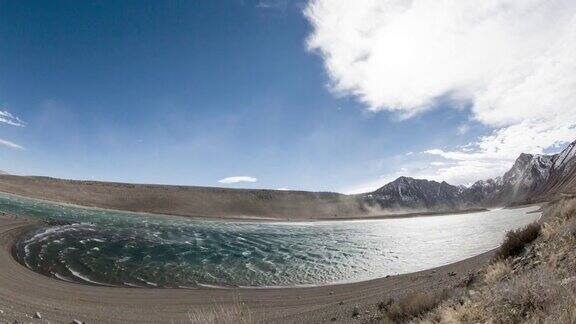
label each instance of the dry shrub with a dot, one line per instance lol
(515, 241)
(549, 230)
(562, 209)
(528, 296)
(567, 313)
(496, 271)
(237, 313)
(415, 305)
(535, 296)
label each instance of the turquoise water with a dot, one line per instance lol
(140, 250)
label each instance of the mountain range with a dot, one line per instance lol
(532, 178)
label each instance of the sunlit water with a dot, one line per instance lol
(128, 249)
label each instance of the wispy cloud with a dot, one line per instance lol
(272, 4)
(511, 62)
(237, 179)
(8, 118)
(463, 129)
(10, 144)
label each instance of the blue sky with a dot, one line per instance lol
(192, 92)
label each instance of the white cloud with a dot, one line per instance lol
(237, 179)
(463, 129)
(283, 189)
(8, 118)
(10, 144)
(511, 61)
(369, 186)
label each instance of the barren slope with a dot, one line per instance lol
(187, 201)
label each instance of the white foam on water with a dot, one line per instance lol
(147, 282)
(61, 277)
(85, 278)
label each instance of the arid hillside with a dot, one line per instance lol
(187, 201)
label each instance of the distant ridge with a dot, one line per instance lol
(189, 201)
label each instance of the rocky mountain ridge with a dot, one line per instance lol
(532, 178)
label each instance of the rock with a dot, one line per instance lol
(76, 322)
(333, 319)
(355, 311)
(331, 293)
(387, 276)
(466, 281)
(385, 305)
(341, 303)
(37, 315)
(568, 280)
(451, 273)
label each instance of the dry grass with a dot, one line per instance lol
(549, 231)
(515, 241)
(538, 286)
(535, 297)
(452, 314)
(237, 313)
(413, 305)
(525, 297)
(496, 271)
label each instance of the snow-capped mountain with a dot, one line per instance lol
(562, 175)
(531, 178)
(526, 177)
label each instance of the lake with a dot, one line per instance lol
(117, 248)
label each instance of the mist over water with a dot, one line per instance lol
(140, 250)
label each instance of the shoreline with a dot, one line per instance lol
(266, 219)
(42, 224)
(24, 292)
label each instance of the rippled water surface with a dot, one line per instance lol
(128, 249)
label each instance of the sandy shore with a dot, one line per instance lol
(24, 292)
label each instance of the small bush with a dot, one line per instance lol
(415, 305)
(515, 241)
